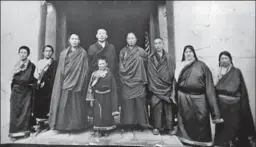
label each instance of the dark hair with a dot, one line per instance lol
(192, 49)
(49, 47)
(25, 48)
(103, 58)
(131, 33)
(227, 54)
(73, 34)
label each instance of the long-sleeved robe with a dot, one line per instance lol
(234, 109)
(43, 94)
(21, 100)
(132, 71)
(96, 50)
(196, 100)
(104, 95)
(68, 110)
(161, 84)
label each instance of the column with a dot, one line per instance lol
(170, 27)
(61, 32)
(42, 28)
(50, 33)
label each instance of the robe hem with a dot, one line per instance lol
(104, 128)
(195, 142)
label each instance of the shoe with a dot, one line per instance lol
(172, 132)
(156, 132)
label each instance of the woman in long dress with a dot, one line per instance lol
(196, 100)
(68, 110)
(21, 95)
(238, 126)
(103, 96)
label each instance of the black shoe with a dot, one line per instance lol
(156, 132)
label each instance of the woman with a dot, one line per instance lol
(234, 105)
(68, 110)
(21, 95)
(196, 99)
(102, 91)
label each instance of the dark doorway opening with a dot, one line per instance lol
(117, 17)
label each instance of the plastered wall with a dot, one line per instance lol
(215, 26)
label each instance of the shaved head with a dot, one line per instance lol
(131, 39)
(101, 30)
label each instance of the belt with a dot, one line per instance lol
(102, 92)
(191, 91)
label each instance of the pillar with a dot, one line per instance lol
(61, 32)
(50, 33)
(42, 28)
(170, 28)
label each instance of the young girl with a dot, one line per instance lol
(103, 97)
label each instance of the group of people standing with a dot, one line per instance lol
(63, 93)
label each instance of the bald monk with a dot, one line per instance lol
(133, 80)
(102, 48)
(68, 111)
(161, 83)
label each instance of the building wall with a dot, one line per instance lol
(20, 25)
(162, 24)
(215, 26)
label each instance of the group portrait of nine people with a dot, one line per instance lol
(82, 81)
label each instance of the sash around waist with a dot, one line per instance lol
(102, 92)
(226, 97)
(192, 91)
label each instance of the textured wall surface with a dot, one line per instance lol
(20, 22)
(215, 26)
(162, 21)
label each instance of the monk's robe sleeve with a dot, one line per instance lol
(114, 99)
(210, 94)
(89, 95)
(173, 93)
(246, 115)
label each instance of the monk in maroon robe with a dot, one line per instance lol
(161, 83)
(238, 127)
(68, 109)
(132, 70)
(102, 48)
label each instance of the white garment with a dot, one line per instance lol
(180, 67)
(103, 44)
(42, 65)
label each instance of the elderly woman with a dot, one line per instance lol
(21, 95)
(234, 105)
(196, 100)
(68, 110)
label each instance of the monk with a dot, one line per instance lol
(45, 74)
(132, 70)
(102, 48)
(161, 83)
(68, 110)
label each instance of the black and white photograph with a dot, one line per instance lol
(128, 73)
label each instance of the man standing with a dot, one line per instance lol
(68, 110)
(102, 48)
(45, 74)
(161, 83)
(132, 70)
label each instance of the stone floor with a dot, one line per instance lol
(136, 138)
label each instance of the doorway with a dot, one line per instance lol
(117, 17)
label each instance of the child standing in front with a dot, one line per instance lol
(102, 95)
